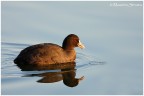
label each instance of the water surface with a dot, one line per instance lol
(111, 63)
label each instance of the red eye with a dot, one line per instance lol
(76, 40)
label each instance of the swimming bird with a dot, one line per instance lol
(49, 53)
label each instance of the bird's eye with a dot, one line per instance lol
(76, 40)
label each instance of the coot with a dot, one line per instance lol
(49, 53)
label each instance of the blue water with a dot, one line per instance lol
(111, 63)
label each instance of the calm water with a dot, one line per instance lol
(111, 63)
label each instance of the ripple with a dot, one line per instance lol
(10, 51)
(87, 60)
(14, 44)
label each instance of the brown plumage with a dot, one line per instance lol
(48, 53)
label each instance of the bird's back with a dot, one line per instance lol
(42, 54)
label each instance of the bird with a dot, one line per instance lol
(49, 53)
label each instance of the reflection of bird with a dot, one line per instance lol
(49, 77)
(48, 53)
(67, 73)
(69, 78)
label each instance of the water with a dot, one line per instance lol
(110, 64)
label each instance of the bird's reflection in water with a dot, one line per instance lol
(67, 73)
